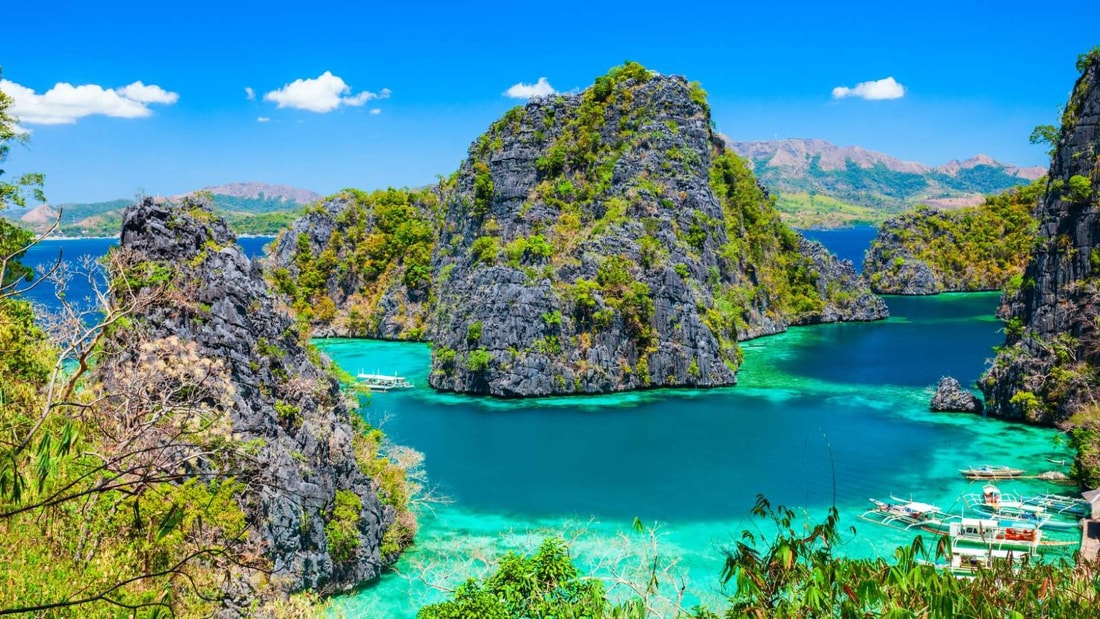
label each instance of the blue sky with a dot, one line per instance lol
(424, 80)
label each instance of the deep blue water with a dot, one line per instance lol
(75, 252)
(846, 243)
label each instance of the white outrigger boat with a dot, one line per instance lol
(1070, 507)
(903, 514)
(383, 382)
(1013, 511)
(989, 471)
(966, 562)
(990, 534)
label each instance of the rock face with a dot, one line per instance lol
(291, 413)
(1045, 372)
(590, 243)
(892, 271)
(608, 241)
(358, 265)
(951, 397)
(928, 251)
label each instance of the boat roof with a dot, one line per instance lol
(920, 507)
(381, 377)
(983, 522)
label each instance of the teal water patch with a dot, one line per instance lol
(824, 415)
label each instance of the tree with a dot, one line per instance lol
(107, 500)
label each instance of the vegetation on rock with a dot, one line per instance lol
(619, 212)
(1046, 371)
(359, 264)
(926, 251)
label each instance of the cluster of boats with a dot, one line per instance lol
(995, 526)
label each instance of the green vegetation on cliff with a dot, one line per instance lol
(974, 248)
(373, 243)
(126, 487)
(619, 211)
(1047, 370)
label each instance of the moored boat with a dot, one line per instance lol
(1060, 504)
(1010, 511)
(988, 533)
(989, 471)
(383, 382)
(903, 514)
(965, 562)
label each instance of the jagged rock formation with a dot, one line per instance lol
(358, 265)
(1046, 371)
(928, 251)
(608, 241)
(951, 397)
(590, 243)
(290, 415)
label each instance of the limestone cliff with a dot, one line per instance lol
(302, 461)
(589, 243)
(358, 264)
(928, 251)
(609, 241)
(1046, 371)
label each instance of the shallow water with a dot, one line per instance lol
(823, 415)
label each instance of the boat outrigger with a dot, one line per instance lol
(1014, 511)
(1070, 507)
(989, 471)
(382, 382)
(903, 514)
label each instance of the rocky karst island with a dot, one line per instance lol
(598, 242)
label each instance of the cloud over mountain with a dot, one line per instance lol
(541, 88)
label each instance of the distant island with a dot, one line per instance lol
(818, 184)
(249, 208)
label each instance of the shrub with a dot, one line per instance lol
(342, 529)
(478, 360)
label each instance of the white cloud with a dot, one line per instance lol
(148, 94)
(249, 93)
(64, 103)
(376, 111)
(263, 119)
(885, 88)
(321, 94)
(540, 88)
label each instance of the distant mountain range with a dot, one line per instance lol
(250, 208)
(817, 184)
(820, 185)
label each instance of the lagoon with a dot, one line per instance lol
(823, 415)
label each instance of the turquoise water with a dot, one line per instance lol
(834, 413)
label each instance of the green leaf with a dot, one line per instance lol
(170, 521)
